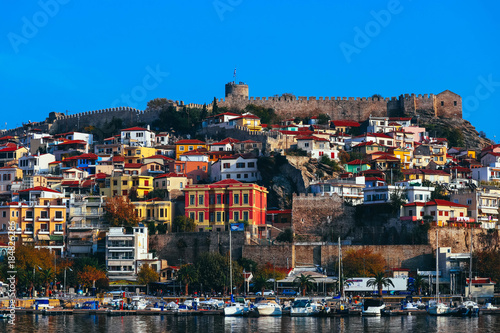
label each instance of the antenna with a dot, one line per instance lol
(234, 75)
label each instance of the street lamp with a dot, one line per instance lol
(65, 287)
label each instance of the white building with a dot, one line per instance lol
(35, 164)
(138, 136)
(124, 252)
(489, 173)
(317, 147)
(413, 191)
(349, 190)
(242, 167)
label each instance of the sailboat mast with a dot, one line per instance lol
(230, 263)
(470, 265)
(340, 276)
(437, 265)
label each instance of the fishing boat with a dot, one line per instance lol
(266, 307)
(436, 307)
(42, 304)
(372, 307)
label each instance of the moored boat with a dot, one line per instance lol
(303, 307)
(372, 307)
(267, 307)
(467, 309)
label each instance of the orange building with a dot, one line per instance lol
(194, 170)
(213, 206)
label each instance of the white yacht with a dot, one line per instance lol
(238, 307)
(268, 308)
(437, 308)
(372, 307)
(303, 307)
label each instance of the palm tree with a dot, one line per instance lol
(379, 280)
(419, 283)
(187, 274)
(260, 283)
(304, 281)
(47, 275)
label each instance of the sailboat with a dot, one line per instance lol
(342, 307)
(468, 308)
(436, 307)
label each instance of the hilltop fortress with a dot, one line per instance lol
(446, 105)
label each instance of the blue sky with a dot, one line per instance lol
(59, 55)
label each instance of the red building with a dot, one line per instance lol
(213, 206)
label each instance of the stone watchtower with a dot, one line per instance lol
(235, 90)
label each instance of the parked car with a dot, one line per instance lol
(267, 292)
(289, 292)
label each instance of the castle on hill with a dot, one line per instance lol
(446, 104)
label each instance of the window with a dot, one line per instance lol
(245, 216)
(124, 183)
(59, 215)
(245, 199)
(181, 148)
(240, 165)
(440, 213)
(124, 192)
(115, 182)
(191, 199)
(442, 103)
(190, 148)
(219, 217)
(469, 201)
(306, 144)
(433, 213)
(245, 175)
(219, 199)
(226, 165)
(211, 199)
(446, 213)
(59, 227)
(238, 176)
(228, 176)
(211, 216)
(200, 217)
(29, 227)
(191, 215)
(43, 214)
(161, 212)
(236, 199)
(251, 164)
(29, 214)
(200, 200)
(410, 212)
(44, 227)
(236, 216)
(4, 214)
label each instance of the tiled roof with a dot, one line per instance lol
(134, 129)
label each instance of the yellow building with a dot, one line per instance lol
(41, 223)
(249, 121)
(136, 154)
(440, 212)
(122, 185)
(183, 146)
(161, 211)
(405, 156)
(438, 154)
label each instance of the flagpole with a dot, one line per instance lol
(230, 264)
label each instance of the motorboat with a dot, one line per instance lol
(138, 303)
(268, 308)
(303, 307)
(213, 304)
(238, 307)
(488, 306)
(42, 304)
(372, 307)
(436, 308)
(467, 309)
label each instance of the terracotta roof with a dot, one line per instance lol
(345, 123)
(118, 159)
(134, 129)
(356, 162)
(39, 188)
(441, 202)
(311, 137)
(133, 165)
(226, 141)
(70, 142)
(170, 174)
(187, 142)
(160, 157)
(249, 141)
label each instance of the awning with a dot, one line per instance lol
(28, 240)
(76, 218)
(489, 211)
(56, 237)
(43, 237)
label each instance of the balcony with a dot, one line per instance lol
(409, 218)
(28, 219)
(28, 232)
(58, 232)
(43, 232)
(44, 219)
(461, 219)
(58, 219)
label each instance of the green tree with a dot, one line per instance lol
(331, 163)
(419, 284)
(212, 270)
(183, 223)
(188, 274)
(266, 115)
(260, 283)
(323, 119)
(379, 281)
(147, 275)
(285, 236)
(46, 277)
(158, 193)
(304, 282)
(247, 264)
